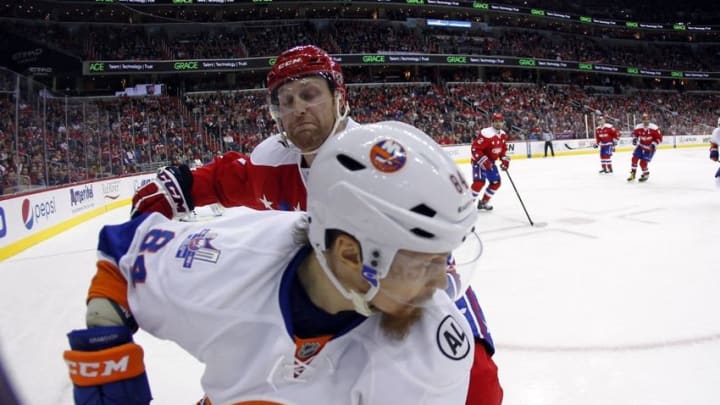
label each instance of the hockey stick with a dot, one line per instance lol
(518, 196)
(578, 148)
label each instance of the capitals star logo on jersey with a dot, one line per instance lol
(198, 247)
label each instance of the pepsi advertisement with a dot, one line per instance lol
(30, 218)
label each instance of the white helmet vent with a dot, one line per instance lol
(350, 163)
(423, 209)
(422, 233)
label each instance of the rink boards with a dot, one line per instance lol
(30, 218)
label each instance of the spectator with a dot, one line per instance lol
(3, 171)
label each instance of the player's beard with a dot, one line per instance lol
(309, 140)
(397, 327)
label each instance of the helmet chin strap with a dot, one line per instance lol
(360, 301)
(342, 117)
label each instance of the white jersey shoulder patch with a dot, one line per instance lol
(272, 152)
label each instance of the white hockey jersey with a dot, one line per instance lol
(715, 137)
(220, 290)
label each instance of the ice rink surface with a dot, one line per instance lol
(611, 298)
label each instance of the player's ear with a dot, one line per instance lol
(347, 251)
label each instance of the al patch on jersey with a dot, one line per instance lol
(452, 340)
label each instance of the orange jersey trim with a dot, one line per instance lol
(108, 282)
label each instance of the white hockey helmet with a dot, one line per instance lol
(391, 187)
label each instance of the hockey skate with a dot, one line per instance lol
(644, 177)
(484, 205)
(602, 171)
(632, 176)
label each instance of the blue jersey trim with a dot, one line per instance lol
(302, 318)
(115, 240)
(470, 307)
(286, 284)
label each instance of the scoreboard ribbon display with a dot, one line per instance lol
(481, 6)
(233, 65)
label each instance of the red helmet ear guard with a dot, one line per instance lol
(306, 60)
(498, 117)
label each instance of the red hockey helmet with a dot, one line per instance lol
(497, 117)
(306, 60)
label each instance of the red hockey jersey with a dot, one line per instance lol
(606, 135)
(647, 135)
(271, 178)
(491, 143)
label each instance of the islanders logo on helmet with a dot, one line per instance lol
(388, 156)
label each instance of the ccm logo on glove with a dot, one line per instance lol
(114, 364)
(173, 190)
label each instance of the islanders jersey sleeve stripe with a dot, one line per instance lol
(108, 282)
(115, 240)
(469, 306)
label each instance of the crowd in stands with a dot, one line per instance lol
(61, 141)
(55, 141)
(494, 34)
(697, 11)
